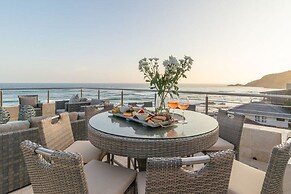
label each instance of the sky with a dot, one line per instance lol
(92, 41)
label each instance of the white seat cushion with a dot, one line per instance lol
(220, 145)
(104, 178)
(86, 149)
(245, 179)
(141, 182)
(24, 190)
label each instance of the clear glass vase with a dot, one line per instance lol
(160, 105)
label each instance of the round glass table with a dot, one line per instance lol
(127, 138)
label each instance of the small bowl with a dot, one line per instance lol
(123, 109)
(142, 116)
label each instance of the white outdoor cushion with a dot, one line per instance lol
(104, 178)
(220, 145)
(14, 126)
(24, 190)
(245, 179)
(86, 149)
(81, 115)
(141, 182)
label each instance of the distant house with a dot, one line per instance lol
(265, 114)
(277, 100)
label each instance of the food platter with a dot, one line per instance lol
(150, 121)
(130, 118)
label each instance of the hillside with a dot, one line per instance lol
(276, 80)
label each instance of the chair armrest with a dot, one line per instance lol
(80, 131)
(196, 160)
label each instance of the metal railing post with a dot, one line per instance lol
(1, 98)
(121, 98)
(48, 96)
(81, 92)
(98, 94)
(206, 104)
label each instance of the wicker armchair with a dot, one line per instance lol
(67, 174)
(41, 109)
(166, 175)
(245, 179)
(76, 106)
(92, 110)
(59, 136)
(67, 106)
(79, 129)
(13, 173)
(31, 100)
(60, 106)
(230, 131)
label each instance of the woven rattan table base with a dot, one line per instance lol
(146, 148)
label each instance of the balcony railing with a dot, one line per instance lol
(119, 95)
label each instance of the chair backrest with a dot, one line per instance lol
(61, 104)
(62, 172)
(90, 111)
(166, 174)
(148, 104)
(192, 107)
(230, 128)
(56, 135)
(273, 182)
(132, 104)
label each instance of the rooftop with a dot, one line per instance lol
(263, 109)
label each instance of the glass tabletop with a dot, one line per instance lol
(198, 124)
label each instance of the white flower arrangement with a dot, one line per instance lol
(165, 83)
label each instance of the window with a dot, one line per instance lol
(262, 119)
(257, 118)
(280, 119)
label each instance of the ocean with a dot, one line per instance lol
(10, 97)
